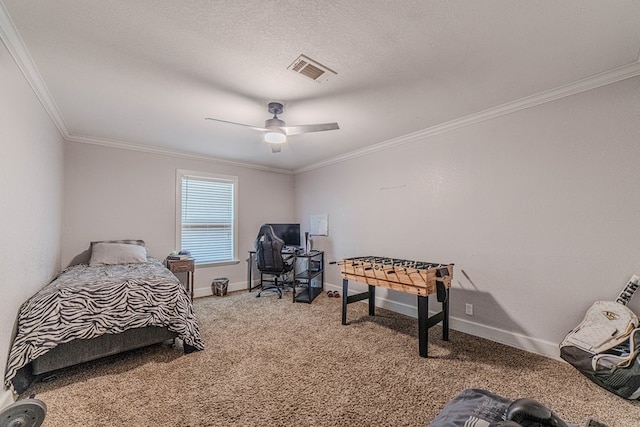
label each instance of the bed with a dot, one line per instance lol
(121, 300)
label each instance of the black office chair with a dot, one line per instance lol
(271, 263)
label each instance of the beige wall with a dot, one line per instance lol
(539, 211)
(111, 193)
(31, 197)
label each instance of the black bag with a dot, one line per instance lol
(611, 363)
(481, 408)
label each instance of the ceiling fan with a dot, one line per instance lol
(276, 130)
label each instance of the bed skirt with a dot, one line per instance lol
(80, 351)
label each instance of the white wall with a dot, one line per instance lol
(539, 211)
(112, 193)
(31, 166)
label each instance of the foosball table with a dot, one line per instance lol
(413, 277)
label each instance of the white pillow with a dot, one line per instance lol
(117, 253)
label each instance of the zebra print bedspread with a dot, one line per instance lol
(85, 302)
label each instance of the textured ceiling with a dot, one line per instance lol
(147, 72)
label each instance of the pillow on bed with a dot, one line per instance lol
(128, 241)
(105, 253)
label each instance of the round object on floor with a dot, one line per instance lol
(23, 413)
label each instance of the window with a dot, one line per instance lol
(207, 216)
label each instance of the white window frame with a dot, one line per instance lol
(182, 173)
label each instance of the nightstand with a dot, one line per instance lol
(183, 266)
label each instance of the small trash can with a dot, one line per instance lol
(219, 286)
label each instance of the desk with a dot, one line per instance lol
(414, 277)
(313, 270)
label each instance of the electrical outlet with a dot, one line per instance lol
(468, 309)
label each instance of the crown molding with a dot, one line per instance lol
(15, 45)
(168, 152)
(578, 86)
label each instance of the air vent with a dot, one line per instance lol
(311, 69)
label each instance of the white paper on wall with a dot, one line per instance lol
(319, 225)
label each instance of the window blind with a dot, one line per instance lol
(207, 219)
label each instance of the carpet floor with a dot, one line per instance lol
(269, 362)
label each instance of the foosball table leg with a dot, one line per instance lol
(372, 300)
(423, 327)
(345, 298)
(348, 299)
(445, 320)
(425, 322)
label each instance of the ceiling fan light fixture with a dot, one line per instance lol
(276, 130)
(275, 136)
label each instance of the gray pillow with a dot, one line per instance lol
(103, 253)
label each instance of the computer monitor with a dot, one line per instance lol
(290, 233)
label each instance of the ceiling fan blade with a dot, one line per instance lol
(276, 148)
(234, 123)
(296, 130)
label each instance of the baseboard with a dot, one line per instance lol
(512, 339)
(6, 399)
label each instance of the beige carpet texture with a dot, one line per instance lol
(270, 362)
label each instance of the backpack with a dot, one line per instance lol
(605, 345)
